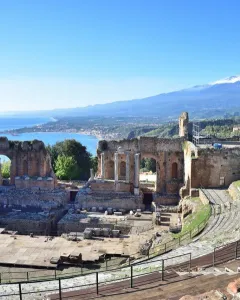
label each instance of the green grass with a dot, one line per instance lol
(237, 183)
(193, 220)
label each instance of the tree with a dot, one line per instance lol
(148, 164)
(66, 167)
(142, 163)
(6, 169)
(78, 152)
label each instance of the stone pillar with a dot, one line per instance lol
(136, 173)
(164, 177)
(116, 166)
(102, 165)
(91, 174)
(13, 170)
(127, 167)
(183, 125)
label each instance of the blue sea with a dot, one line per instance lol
(49, 138)
(8, 123)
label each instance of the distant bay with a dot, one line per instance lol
(9, 123)
(49, 138)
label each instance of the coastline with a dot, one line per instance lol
(94, 129)
(98, 135)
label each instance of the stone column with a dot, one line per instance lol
(91, 174)
(127, 167)
(102, 165)
(13, 170)
(164, 174)
(116, 166)
(136, 173)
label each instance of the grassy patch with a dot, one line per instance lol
(193, 220)
(237, 183)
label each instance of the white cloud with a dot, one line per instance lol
(49, 93)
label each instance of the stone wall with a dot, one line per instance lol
(209, 167)
(25, 222)
(26, 182)
(88, 198)
(76, 223)
(46, 199)
(151, 145)
(190, 152)
(215, 167)
(160, 199)
(27, 226)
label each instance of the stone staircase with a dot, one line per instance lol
(220, 198)
(222, 229)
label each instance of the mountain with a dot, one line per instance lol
(211, 100)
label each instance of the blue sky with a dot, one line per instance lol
(68, 53)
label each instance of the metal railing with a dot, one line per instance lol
(130, 276)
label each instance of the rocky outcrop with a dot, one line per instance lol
(234, 190)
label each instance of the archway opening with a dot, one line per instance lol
(148, 172)
(5, 170)
(148, 180)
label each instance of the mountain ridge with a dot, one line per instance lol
(214, 98)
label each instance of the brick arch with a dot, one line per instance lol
(156, 158)
(12, 175)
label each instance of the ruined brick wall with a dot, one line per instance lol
(166, 152)
(27, 158)
(110, 186)
(142, 144)
(27, 183)
(67, 227)
(34, 197)
(215, 167)
(190, 152)
(87, 198)
(26, 226)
